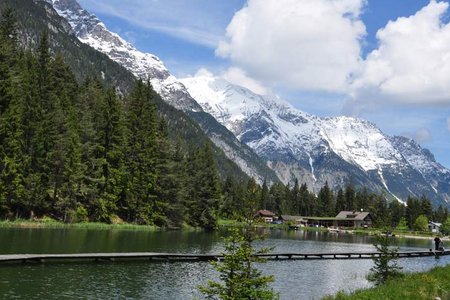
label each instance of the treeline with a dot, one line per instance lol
(82, 152)
(299, 201)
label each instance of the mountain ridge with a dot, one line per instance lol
(294, 144)
(90, 30)
(297, 144)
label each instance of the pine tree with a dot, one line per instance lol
(296, 204)
(64, 148)
(426, 207)
(239, 278)
(176, 191)
(264, 196)
(140, 158)
(326, 201)
(306, 202)
(397, 211)
(385, 267)
(413, 210)
(340, 201)
(350, 195)
(12, 156)
(203, 189)
(253, 193)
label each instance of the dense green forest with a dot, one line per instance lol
(82, 152)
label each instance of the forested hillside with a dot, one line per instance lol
(35, 17)
(81, 151)
(77, 149)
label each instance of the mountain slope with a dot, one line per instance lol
(424, 162)
(91, 31)
(293, 143)
(35, 17)
(318, 150)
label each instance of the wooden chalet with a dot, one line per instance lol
(345, 219)
(266, 215)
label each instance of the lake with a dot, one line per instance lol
(296, 279)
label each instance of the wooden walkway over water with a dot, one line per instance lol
(152, 256)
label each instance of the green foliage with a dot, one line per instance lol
(385, 267)
(82, 152)
(402, 224)
(326, 201)
(239, 278)
(445, 228)
(429, 285)
(421, 223)
(203, 186)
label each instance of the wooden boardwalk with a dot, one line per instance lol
(24, 258)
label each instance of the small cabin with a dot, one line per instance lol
(434, 227)
(266, 215)
(355, 219)
(295, 220)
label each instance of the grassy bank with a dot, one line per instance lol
(51, 223)
(428, 285)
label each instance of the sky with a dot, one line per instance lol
(381, 60)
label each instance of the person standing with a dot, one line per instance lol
(437, 243)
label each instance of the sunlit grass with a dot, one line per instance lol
(428, 285)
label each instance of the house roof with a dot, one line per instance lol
(353, 215)
(435, 224)
(264, 213)
(291, 218)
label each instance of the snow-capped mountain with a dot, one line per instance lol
(293, 143)
(90, 30)
(318, 150)
(423, 161)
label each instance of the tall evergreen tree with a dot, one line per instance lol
(264, 199)
(326, 201)
(306, 201)
(340, 201)
(204, 189)
(140, 158)
(350, 195)
(296, 198)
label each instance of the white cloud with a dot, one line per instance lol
(411, 64)
(234, 76)
(239, 77)
(422, 135)
(301, 44)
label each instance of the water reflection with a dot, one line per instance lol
(296, 279)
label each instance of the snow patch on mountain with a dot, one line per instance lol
(360, 142)
(91, 31)
(297, 144)
(355, 140)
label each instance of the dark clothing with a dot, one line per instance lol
(437, 243)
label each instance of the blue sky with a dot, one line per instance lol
(382, 60)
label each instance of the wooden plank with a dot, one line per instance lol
(203, 257)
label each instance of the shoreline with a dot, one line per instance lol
(50, 223)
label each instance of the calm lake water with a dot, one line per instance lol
(295, 279)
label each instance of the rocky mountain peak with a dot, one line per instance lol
(90, 30)
(317, 150)
(295, 144)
